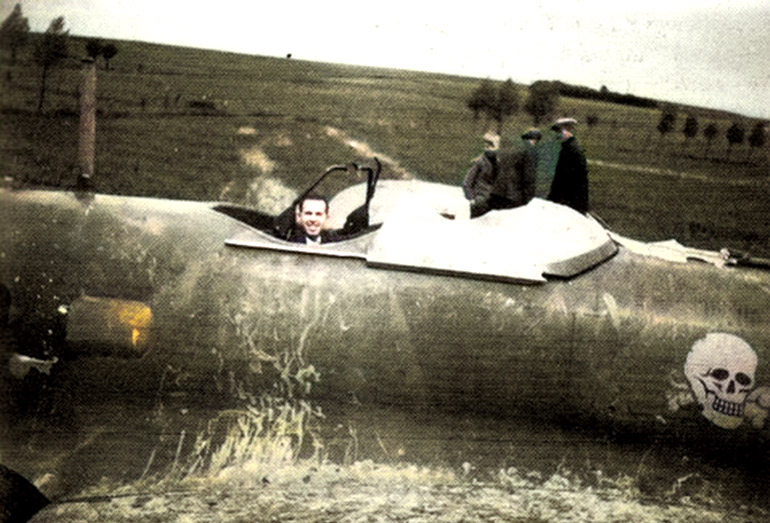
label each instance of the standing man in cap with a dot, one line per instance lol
(478, 183)
(517, 173)
(531, 137)
(570, 179)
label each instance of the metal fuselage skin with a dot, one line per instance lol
(202, 318)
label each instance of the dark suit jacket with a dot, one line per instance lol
(570, 180)
(327, 236)
(515, 182)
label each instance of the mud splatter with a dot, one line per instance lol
(256, 157)
(265, 193)
(363, 149)
(269, 195)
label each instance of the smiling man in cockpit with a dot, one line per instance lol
(312, 216)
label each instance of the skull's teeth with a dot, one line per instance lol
(728, 408)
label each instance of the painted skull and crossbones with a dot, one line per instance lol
(721, 371)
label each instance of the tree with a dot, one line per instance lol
(757, 136)
(108, 52)
(482, 99)
(94, 48)
(667, 120)
(14, 31)
(542, 101)
(49, 50)
(710, 132)
(690, 128)
(506, 103)
(475, 102)
(735, 135)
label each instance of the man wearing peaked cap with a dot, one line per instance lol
(532, 135)
(570, 179)
(564, 123)
(531, 138)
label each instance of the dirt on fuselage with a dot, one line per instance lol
(366, 491)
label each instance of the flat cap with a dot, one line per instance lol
(532, 134)
(563, 122)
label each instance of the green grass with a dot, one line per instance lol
(153, 141)
(705, 214)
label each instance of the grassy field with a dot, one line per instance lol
(193, 124)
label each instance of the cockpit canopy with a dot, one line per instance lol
(425, 228)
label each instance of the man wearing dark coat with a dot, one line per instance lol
(515, 183)
(499, 179)
(570, 180)
(530, 140)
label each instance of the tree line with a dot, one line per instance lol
(603, 95)
(50, 48)
(497, 101)
(542, 100)
(735, 133)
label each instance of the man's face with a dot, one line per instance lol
(313, 216)
(563, 133)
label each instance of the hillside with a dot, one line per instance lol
(196, 124)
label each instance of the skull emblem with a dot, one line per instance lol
(720, 369)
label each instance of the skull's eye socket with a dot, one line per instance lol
(743, 379)
(720, 374)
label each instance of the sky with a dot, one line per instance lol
(711, 53)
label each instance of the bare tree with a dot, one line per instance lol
(14, 31)
(50, 49)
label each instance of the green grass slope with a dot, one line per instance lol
(187, 123)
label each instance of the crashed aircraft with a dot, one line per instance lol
(537, 311)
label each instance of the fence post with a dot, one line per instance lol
(87, 135)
